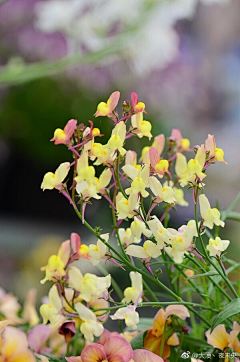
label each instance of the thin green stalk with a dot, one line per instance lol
(180, 346)
(209, 277)
(160, 304)
(151, 293)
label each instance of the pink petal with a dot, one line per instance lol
(93, 353)
(118, 346)
(115, 358)
(38, 336)
(70, 128)
(176, 135)
(113, 101)
(74, 359)
(180, 310)
(142, 355)
(75, 242)
(134, 99)
(154, 156)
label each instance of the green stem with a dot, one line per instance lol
(180, 346)
(160, 304)
(209, 277)
(150, 292)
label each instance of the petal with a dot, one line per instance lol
(75, 278)
(25, 356)
(137, 251)
(93, 353)
(113, 101)
(177, 135)
(75, 242)
(130, 171)
(134, 99)
(119, 346)
(218, 338)
(180, 310)
(142, 355)
(64, 252)
(54, 298)
(61, 172)
(70, 128)
(14, 341)
(84, 313)
(204, 205)
(38, 336)
(154, 156)
(155, 186)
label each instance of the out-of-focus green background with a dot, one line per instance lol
(59, 58)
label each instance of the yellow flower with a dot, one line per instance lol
(132, 293)
(106, 109)
(54, 180)
(217, 245)
(117, 138)
(210, 216)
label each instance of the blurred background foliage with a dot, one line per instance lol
(59, 58)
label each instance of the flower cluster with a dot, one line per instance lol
(78, 304)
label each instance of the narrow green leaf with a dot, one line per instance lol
(229, 310)
(195, 341)
(210, 273)
(231, 207)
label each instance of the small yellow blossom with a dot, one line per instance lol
(54, 180)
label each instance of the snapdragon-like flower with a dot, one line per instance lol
(210, 216)
(51, 311)
(217, 245)
(131, 294)
(90, 326)
(158, 143)
(181, 240)
(141, 127)
(106, 109)
(98, 252)
(136, 105)
(131, 159)
(140, 179)
(117, 138)
(54, 180)
(160, 233)
(63, 136)
(128, 314)
(147, 251)
(214, 153)
(162, 193)
(182, 144)
(55, 268)
(126, 236)
(89, 286)
(188, 171)
(103, 181)
(159, 166)
(125, 207)
(84, 171)
(138, 227)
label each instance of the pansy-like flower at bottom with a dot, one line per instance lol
(14, 345)
(219, 338)
(143, 355)
(154, 336)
